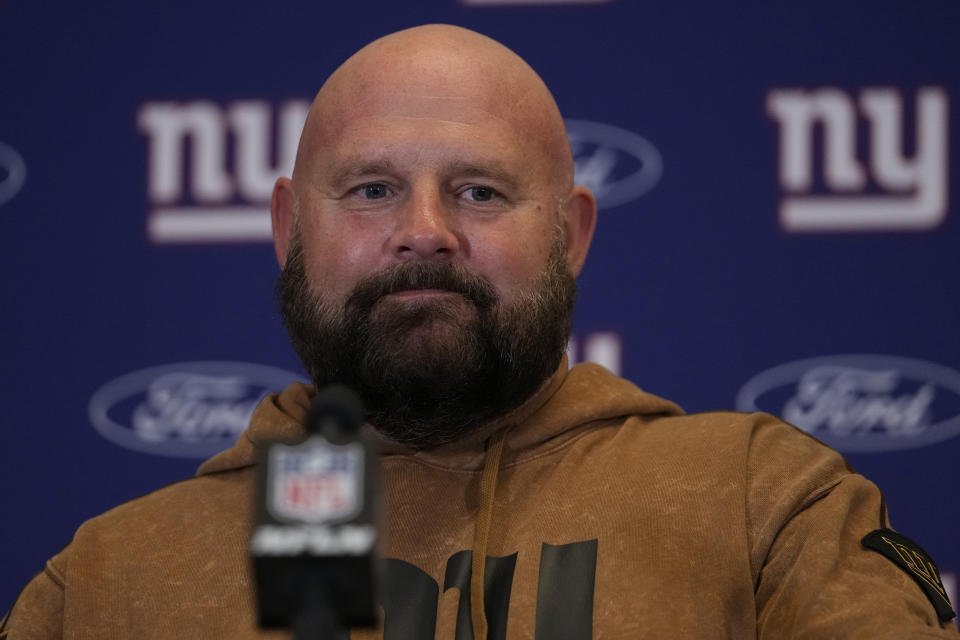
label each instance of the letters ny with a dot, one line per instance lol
(194, 185)
(913, 190)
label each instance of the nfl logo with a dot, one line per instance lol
(315, 482)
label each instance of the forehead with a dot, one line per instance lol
(423, 100)
(425, 129)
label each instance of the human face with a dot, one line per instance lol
(415, 176)
(446, 196)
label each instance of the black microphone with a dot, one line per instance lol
(315, 524)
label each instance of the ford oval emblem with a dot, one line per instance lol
(187, 410)
(615, 164)
(13, 173)
(861, 403)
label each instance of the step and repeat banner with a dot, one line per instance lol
(777, 229)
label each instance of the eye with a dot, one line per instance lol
(480, 193)
(373, 191)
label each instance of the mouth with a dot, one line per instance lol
(421, 293)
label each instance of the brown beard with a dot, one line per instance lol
(431, 370)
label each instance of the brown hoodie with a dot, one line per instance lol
(601, 511)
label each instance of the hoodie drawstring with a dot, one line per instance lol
(481, 533)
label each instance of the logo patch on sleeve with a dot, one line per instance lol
(909, 556)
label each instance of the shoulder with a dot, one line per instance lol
(756, 455)
(191, 532)
(757, 439)
(768, 463)
(186, 508)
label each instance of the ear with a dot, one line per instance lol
(282, 215)
(579, 219)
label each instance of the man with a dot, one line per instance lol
(429, 236)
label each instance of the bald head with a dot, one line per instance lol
(443, 72)
(433, 143)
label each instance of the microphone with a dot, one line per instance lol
(315, 524)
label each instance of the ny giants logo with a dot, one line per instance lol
(888, 192)
(201, 193)
(602, 347)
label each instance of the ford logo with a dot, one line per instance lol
(861, 403)
(187, 410)
(615, 164)
(13, 173)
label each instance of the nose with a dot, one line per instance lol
(425, 228)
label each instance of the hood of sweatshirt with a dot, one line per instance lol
(571, 400)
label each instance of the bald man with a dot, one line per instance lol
(429, 240)
(431, 233)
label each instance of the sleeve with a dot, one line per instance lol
(814, 579)
(38, 612)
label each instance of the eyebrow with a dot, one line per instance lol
(356, 169)
(493, 170)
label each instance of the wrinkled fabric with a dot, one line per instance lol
(615, 516)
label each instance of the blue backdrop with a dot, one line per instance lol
(777, 227)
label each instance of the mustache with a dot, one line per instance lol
(445, 276)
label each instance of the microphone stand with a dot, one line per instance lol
(316, 619)
(314, 546)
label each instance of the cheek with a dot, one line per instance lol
(513, 264)
(337, 261)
